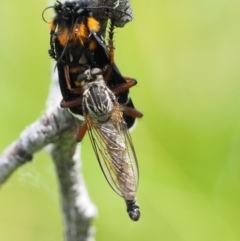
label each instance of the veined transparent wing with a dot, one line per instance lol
(115, 152)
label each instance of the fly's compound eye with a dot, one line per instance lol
(86, 75)
(81, 77)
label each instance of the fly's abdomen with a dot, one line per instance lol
(120, 167)
(121, 162)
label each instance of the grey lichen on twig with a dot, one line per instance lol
(55, 131)
(121, 11)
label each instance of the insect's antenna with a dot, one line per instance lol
(44, 12)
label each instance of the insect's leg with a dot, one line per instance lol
(98, 39)
(131, 112)
(67, 76)
(77, 91)
(107, 73)
(71, 103)
(110, 43)
(81, 132)
(125, 86)
(52, 51)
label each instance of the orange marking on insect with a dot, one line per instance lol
(92, 45)
(63, 36)
(52, 26)
(77, 84)
(82, 33)
(93, 24)
(76, 69)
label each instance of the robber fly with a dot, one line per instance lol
(109, 134)
(110, 138)
(85, 64)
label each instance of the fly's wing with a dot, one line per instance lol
(114, 150)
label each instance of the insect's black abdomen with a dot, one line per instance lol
(133, 209)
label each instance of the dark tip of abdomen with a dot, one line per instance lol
(133, 210)
(134, 214)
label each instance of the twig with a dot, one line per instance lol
(55, 131)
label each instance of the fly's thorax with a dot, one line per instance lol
(98, 100)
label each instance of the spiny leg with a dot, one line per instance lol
(67, 76)
(108, 71)
(131, 112)
(52, 51)
(81, 132)
(124, 86)
(71, 103)
(110, 43)
(116, 89)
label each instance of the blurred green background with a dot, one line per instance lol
(186, 58)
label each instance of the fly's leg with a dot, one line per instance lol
(110, 43)
(67, 76)
(80, 133)
(77, 91)
(116, 89)
(71, 103)
(131, 112)
(125, 86)
(108, 71)
(51, 51)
